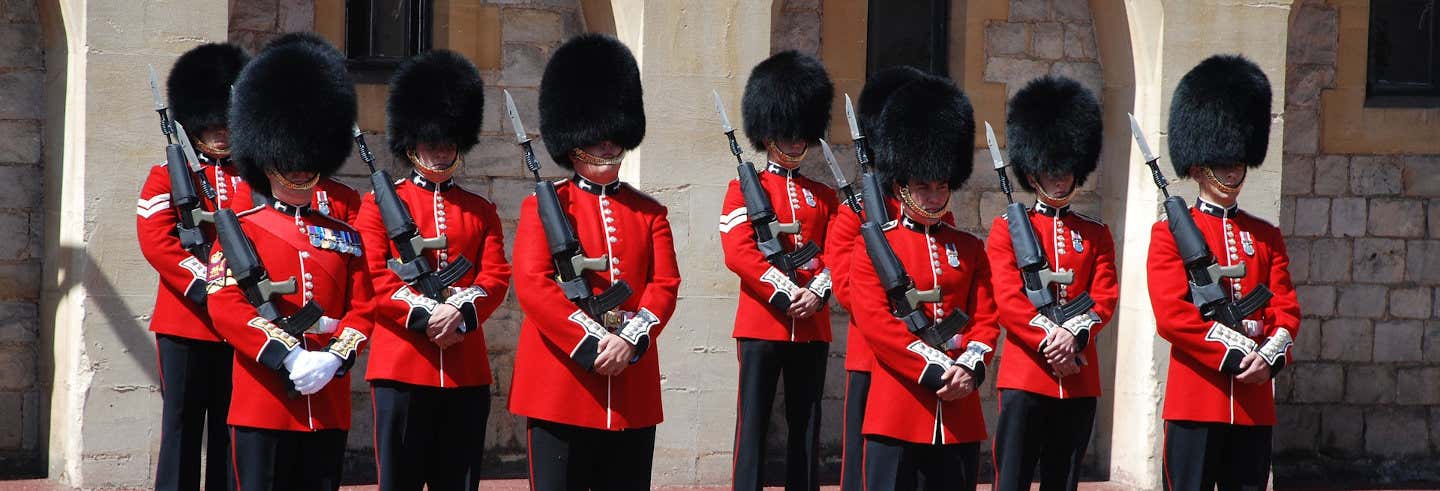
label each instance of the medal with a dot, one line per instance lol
(1076, 242)
(953, 255)
(322, 199)
(1248, 242)
(809, 198)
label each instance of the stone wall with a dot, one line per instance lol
(1361, 402)
(22, 72)
(255, 22)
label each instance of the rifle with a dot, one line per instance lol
(412, 266)
(1030, 258)
(899, 287)
(1201, 270)
(565, 251)
(761, 213)
(871, 196)
(254, 282)
(183, 197)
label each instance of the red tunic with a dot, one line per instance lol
(795, 198)
(400, 350)
(1072, 242)
(1197, 389)
(902, 402)
(180, 297)
(338, 282)
(842, 238)
(630, 227)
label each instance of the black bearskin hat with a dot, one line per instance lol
(199, 85)
(926, 133)
(1220, 114)
(590, 93)
(294, 107)
(299, 37)
(878, 89)
(435, 97)
(787, 98)
(1053, 127)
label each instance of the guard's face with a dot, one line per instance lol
(215, 140)
(438, 156)
(1220, 180)
(1054, 185)
(603, 173)
(933, 197)
(292, 187)
(788, 153)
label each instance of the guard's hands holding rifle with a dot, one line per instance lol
(615, 355)
(444, 327)
(1253, 369)
(958, 383)
(805, 303)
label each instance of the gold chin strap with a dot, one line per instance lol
(211, 151)
(435, 174)
(305, 186)
(1209, 173)
(920, 210)
(581, 156)
(785, 157)
(1051, 200)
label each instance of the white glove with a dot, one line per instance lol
(290, 359)
(312, 370)
(326, 325)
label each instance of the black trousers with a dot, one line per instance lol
(574, 458)
(1038, 429)
(429, 436)
(278, 460)
(195, 390)
(892, 464)
(1206, 456)
(762, 363)
(852, 449)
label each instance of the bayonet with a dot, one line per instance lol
(994, 147)
(1145, 152)
(720, 108)
(840, 181)
(515, 124)
(850, 118)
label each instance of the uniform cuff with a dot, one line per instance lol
(421, 307)
(637, 332)
(278, 343)
(588, 348)
(780, 297)
(464, 301)
(346, 346)
(1079, 326)
(1236, 347)
(1274, 350)
(973, 360)
(820, 286)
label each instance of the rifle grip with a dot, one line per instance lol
(1233, 271)
(581, 264)
(421, 244)
(777, 228)
(1062, 276)
(269, 289)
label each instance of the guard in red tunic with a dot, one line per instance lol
(1219, 396)
(590, 384)
(293, 108)
(781, 324)
(1049, 378)
(923, 423)
(194, 362)
(840, 240)
(428, 369)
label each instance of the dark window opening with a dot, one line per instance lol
(914, 32)
(379, 34)
(1404, 61)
